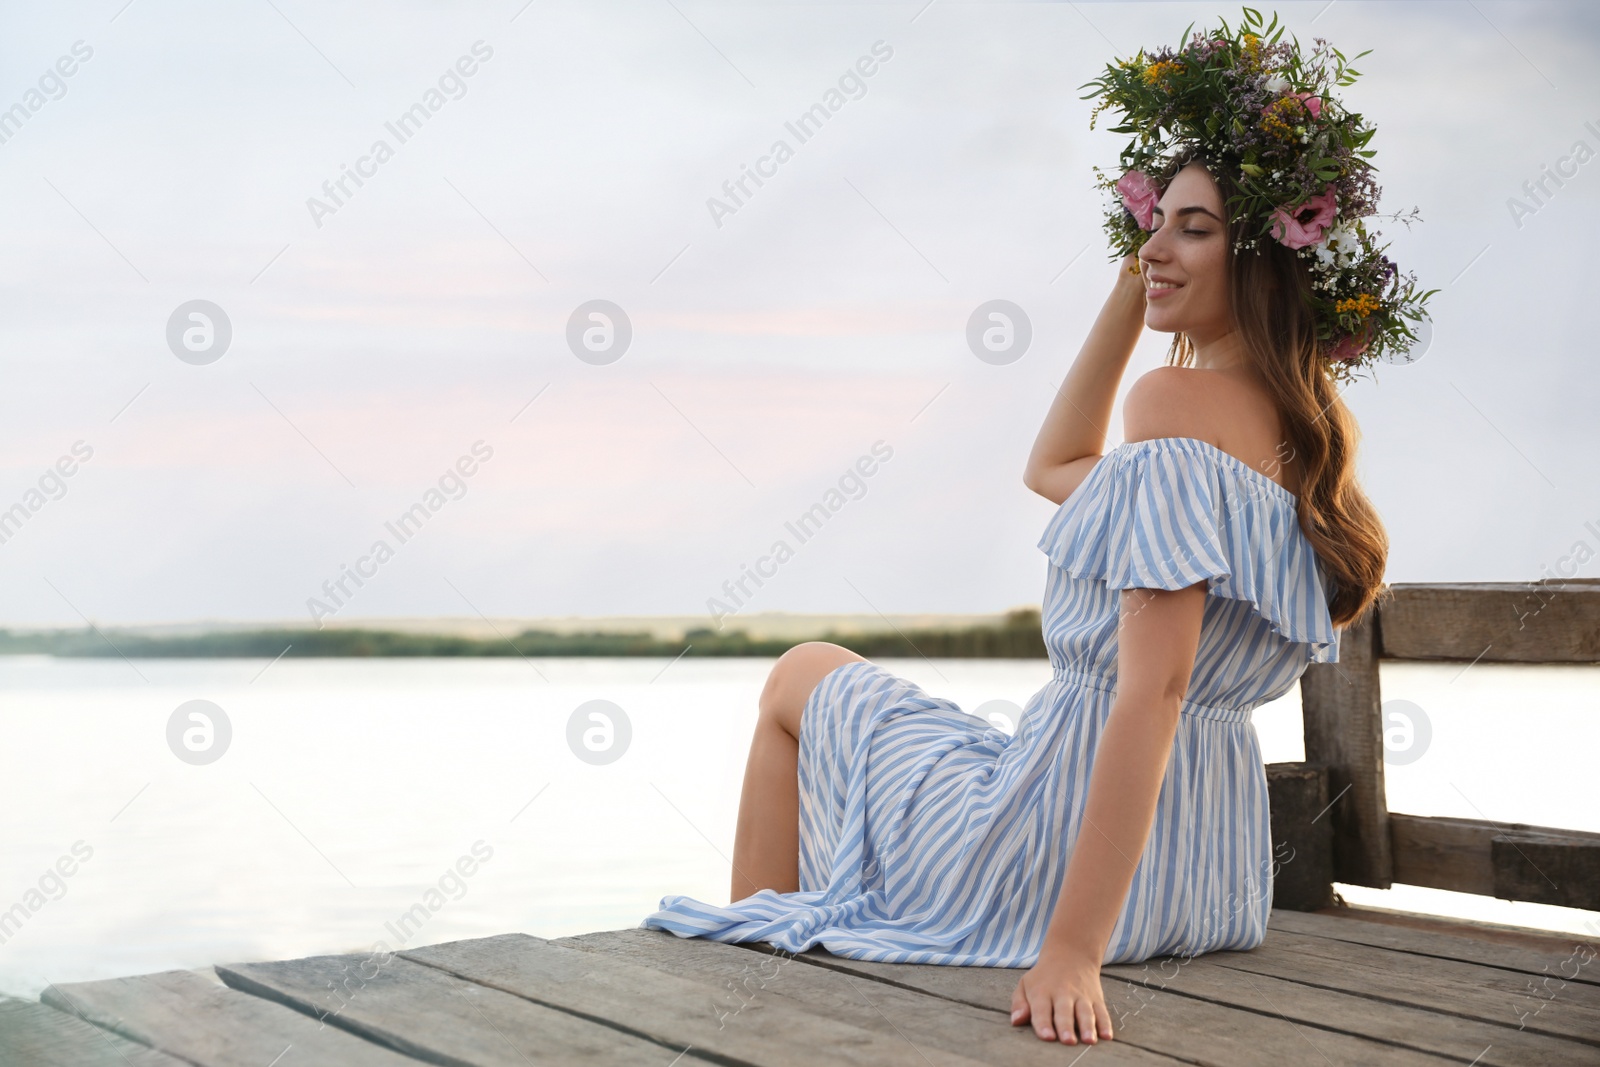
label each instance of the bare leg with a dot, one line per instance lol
(766, 843)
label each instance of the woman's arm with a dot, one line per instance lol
(1158, 635)
(1073, 436)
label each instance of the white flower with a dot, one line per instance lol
(1276, 84)
(1339, 246)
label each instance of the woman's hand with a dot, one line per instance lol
(1131, 279)
(1074, 430)
(1061, 992)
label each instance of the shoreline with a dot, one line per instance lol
(1015, 634)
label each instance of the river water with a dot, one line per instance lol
(353, 790)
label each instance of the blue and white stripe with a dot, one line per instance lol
(929, 836)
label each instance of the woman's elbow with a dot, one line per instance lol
(1032, 479)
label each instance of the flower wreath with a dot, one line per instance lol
(1299, 160)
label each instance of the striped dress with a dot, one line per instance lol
(927, 835)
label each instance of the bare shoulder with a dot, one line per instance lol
(1231, 411)
(1170, 402)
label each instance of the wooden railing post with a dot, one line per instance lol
(1343, 712)
(1302, 837)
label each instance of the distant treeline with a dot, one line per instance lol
(1016, 637)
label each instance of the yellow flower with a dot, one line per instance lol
(1251, 56)
(1274, 114)
(1156, 72)
(1362, 304)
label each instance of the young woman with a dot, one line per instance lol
(1195, 570)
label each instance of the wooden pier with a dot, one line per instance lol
(1343, 986)
(1332, 985)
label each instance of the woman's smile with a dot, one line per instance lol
(1156, 287)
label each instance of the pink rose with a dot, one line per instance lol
(1297, 232)
(1351, 347)
(1139, 195)
(1313, 104)
(1348, 350)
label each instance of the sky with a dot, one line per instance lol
(386, 339)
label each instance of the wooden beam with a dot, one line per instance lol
(1342, 708)
(1302, 836)
(1509, 860)
(1493, 622)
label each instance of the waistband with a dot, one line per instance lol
(1188, 707)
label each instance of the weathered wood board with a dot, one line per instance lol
(432, 1015)
(203, 1021)
(673, 1011)
(1449, 987)
(1539, 954)
(1493, 622)
(1514, 861)
(745, 980)
(1326, 987)
(1170, 1017)
(38, 1035)
(1342, 711)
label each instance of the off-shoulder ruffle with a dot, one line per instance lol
(1167, 512)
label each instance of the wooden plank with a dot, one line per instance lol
(40, 1036)
(1525, 936)
(1470, 990)
(1302, 836)
(1572, 960)
(676, 1012)
(1315, 1008)
(1155, 1016)
(1542, 864)
(743, 978)
(1342, 709)
(1547, 868)
(1493, 622)
(437, 1017)
(204, 1022)
(1404, 1027)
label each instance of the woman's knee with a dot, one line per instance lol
(794, 677)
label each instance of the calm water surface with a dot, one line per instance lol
(351, 790)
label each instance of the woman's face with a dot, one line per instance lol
(1188, 247)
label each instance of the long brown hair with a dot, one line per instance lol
(1266, 288)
